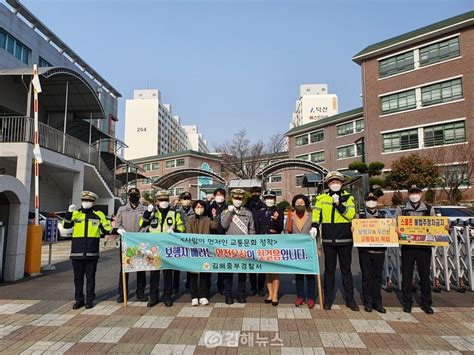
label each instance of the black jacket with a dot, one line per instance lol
(265, 223)
(219, 209)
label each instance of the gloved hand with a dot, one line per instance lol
(121, 231)
(313, 232)
(151, 207)
(335, 198)
(170, 230)
(72, 208)
(231, 208)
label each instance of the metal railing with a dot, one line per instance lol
(21, 129)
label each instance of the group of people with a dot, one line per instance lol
(328, 224)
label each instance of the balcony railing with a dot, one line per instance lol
(21, 129)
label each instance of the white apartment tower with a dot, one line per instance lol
(195, 139)
(150, 127)
(314, 103)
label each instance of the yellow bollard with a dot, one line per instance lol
(34, 239)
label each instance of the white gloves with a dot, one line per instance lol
(72, 208)
(313, 232)
(231, 208)
(121, 231)
(335, 198)
(150, 207)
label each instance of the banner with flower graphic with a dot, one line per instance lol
(280, 254)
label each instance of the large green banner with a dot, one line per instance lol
(268, 253)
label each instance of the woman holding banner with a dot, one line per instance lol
(199, 223)
(299, 222)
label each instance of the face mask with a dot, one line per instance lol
(220, 199)
(415, 198)
(255, 197)
(87, 204)
(335, 187)
(134, 198)
(164, 204)
(300, 208)
(199, 211)
(237, 203)
(270, 202)
(371, 204)
(186, 203)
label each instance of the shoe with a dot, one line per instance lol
(195, 302)
(368, 309)
(253, 292)
(261, 293)
(89, 305)
(299, 302)
(353, 307)
(436, 290)
(274, 303)
(120, 299)
(168, 303)
(229, 300)
(380, 309)
(310, 303)
(407, 309)
(203, 301)
(267, 301)
(78, 305)
(241, 299)
(142, 298)
(152, 303)
(427, 309)
(327, 307)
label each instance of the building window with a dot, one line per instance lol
(44, 63)
(14, 47)
(445, 134)
(359, 125)
(170, 164)
(155, 166)
(302, 140)
(317, 136)
(402, 140)
(397, 64)
(299, 180)
(439, 51)
(344, 129)
(347, 151)
(277, 192)
(179, 162)
(302, 157)
(398, 102)
(275, 178)
(146, 167)
(178, 191)
(317, 157)
(442, 92)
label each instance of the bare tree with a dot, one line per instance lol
(456, 165)
(243, 158)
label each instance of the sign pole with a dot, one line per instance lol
(320, 292)
(124, 279)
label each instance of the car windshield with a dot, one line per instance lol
(456, 212)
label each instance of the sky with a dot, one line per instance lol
(228, 65)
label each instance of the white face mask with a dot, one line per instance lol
(415, 198)
(270, 202)
(220, 199)
(237, 203)
(371, 204)
(336, 187)
(164, 204)
(87, 204)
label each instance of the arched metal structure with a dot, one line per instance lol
(169, 180)
(288, 164)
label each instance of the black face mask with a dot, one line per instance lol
(300, 208)
(134, 198)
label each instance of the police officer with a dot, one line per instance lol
(334, 212)
(216, 207)
(186, 211)
(269, 220)
(414, 253)
(371, 261)
(128, 219)
(257, 281)
(236, 220)
(87, 226)
(161, 219)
